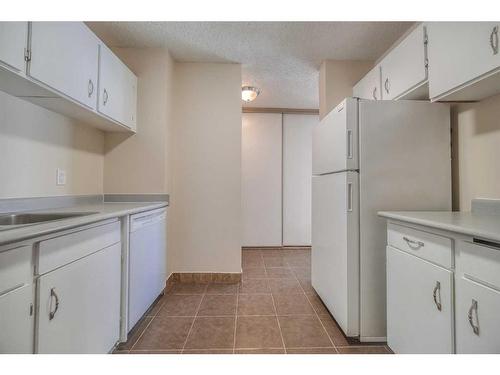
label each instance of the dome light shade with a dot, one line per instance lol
(249, 93)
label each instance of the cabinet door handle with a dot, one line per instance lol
(387, 86)
(415, 245)
(90, 88)
(374, 93)
(53, 295)
(437, 289)
(473, 307)
(105, 97)
(494, 40)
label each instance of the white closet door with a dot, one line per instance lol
(261, 188)
(297, 171)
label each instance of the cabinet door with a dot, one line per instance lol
(419, 305)
(369, 86)
(117, 89)
(478, 309)
(16, 321)
(459, 53)
(79, 305)
(13, 41)
(64, 56)
(404, 68)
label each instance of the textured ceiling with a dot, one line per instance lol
(281, 58)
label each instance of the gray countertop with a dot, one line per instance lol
(485, 225)
(105, 210)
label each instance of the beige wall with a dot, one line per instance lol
(34, 142)
(205, 212)
(336, 79)
(138, 163)
(475, 151)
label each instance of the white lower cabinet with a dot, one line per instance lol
(79, 305)
(16, 321)
(477, 320)
(419, 305)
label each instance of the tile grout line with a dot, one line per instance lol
(236, 320)
(147, 326)
(275, 310)
(194, 319)
(316, 314)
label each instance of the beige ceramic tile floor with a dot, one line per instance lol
(273, 310)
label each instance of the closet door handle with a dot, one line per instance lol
(53, 295)
(349, 144)
(494, 40)
(412, 244)
(349, 197)
(437, 289)
(473, 307)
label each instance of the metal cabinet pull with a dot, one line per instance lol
(387, 86)
(105, 97)
(494, 40)
(53, 294)
(473, 307)
(374, 93)
(415, 245)
(437, 289)
(90, 88)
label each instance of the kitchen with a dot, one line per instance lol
(231, 188)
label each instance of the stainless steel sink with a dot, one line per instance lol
(37, 218)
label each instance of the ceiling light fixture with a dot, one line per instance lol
(249, 93)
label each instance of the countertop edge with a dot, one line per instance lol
(440, 225)
(62, 225)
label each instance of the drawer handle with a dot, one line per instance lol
(437, 289)
(494, 40)
(415, 245)
(473, 307)
(52, 314)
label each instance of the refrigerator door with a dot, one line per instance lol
(335, 139)
(335, 246)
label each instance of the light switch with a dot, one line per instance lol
(61, 177)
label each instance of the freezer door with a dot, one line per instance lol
(335, 246)
(335, 139)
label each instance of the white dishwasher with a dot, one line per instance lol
(147, 261)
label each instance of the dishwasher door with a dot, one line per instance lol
(147, 262)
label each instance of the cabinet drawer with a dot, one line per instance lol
(59, 251)
(431, 247)
(15, 268)
(479, 262)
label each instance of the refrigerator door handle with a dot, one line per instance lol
(349, 144)
(349, 197)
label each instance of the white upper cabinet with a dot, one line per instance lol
(404, 69)
(13, 42)
(64, 56)
(117, 89)
(464, 60)
(369, 86)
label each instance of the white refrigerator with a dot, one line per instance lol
(371, 156)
